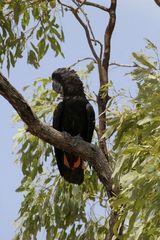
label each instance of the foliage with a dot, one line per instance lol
(28, 24)
(136, 149)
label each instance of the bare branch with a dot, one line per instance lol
(123, 65)
(81, 60)
(85, 27)
(89, 26)
(74, 145)
(108, 34)
(65, 5)
(87, 20)
(103, 74)
(96, 5)
(101, 47)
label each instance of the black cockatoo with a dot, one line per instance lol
(74, 115)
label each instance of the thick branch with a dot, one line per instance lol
(108, 33)
(64, 141)
(103, 74)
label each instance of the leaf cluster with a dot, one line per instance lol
(28, 24)
(136, 150)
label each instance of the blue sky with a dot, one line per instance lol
(136, 20)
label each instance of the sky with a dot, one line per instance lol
(136, 20)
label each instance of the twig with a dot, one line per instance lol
(123, 65)
(85, 27)
(65, 5)
(96, 5)
(87, 35)
(101, 47)
(87, 20)
(81, 60)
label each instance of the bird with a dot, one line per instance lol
(74, 115)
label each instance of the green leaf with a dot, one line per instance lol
(32, 59)
(12, 59)
(90, 67)
(145, 120)
(17, 12)
(25, 20)
(140, 57)
(150, 44)
(42, 48)
(39, 33)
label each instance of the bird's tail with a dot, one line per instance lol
(70, 167)
(73, 169)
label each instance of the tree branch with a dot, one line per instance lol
(123, 65)
(65, 5)
(75, 13)
(157, 2)
(64, 141)
(87, 20)
(96, 5)
(85, 27)
(81, 60)
(103, 74)
(108, 33)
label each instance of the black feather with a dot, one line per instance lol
(76, 116)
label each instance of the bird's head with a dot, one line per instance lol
(67, 81)
(58, 78)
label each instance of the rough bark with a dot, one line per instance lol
(104, 74)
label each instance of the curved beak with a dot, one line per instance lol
(57, 87)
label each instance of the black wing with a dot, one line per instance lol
(57, 117)
(90, 122)
(71, 174)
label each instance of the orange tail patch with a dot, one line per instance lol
(76, 164)
(66, 163)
